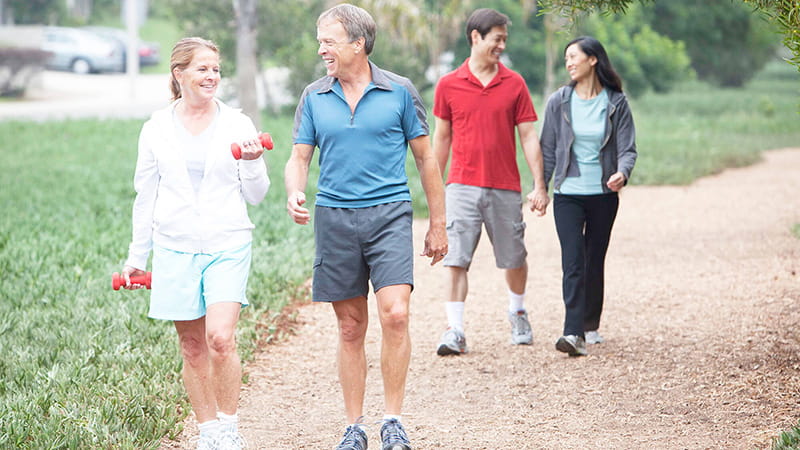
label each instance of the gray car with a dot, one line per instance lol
(148, 51)
(81, 51)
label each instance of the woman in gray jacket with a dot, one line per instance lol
(588, 144)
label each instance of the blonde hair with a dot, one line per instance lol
(182, 55)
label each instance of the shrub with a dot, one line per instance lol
(18, 66)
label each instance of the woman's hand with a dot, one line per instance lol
(616, 182)
(127, 273)
(539, 200)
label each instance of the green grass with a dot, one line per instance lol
(796, 230)
(699, 130)
(84, 368)
(788, 440)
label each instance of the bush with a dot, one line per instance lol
(727, 42)
(645, 59)
(18, 66)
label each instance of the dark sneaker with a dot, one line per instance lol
(521, 333)
(453, 343)
(394, 436)
(354, 439)
(572, 344)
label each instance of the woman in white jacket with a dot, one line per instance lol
(191, 211)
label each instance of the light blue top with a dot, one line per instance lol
(362, 154)
(589, 125)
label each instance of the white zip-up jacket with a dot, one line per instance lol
(167, 210)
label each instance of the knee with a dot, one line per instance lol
(221, 342)
(194, 350)
(395, 318)
(352, 330)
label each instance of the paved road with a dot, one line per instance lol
(63, 95)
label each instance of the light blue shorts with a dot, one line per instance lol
(185, 284)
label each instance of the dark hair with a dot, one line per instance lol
(604, 70)
(484, 20)
(356, 21)
(182, 55)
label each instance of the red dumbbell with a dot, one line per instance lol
(266, 142)
(117, 281)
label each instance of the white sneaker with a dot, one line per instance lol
(230, 440)
(206, 442)
(593, 337)
(521, 333)
(453, 343)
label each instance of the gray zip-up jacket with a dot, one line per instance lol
(617, 154)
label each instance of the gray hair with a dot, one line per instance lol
(356, 21)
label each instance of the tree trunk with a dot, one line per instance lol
(246, 61)
(552, 25)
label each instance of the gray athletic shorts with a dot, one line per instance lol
(358, 245)
(500, 210)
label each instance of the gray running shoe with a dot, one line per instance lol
(593, 337)
(453, 343)
(521, 333)
(394, 436)
(572, 344)
(354, 439)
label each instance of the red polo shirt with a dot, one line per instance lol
(482, 121)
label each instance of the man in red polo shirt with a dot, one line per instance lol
(477, 107)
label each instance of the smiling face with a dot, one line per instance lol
(488, 49)
(580, 66)
(200, 79)
(335, 48)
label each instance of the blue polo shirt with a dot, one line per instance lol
(362, 155)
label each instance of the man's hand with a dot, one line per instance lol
(435, 243)
(294, 206)
(539, 200)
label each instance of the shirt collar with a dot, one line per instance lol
(464, 72)
(379, 79)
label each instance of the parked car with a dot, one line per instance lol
(81, 51)
(148, 51)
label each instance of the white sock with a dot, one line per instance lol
(455, 315)
(392, 416)
(515, 302)
(208, 428)
(228, 421)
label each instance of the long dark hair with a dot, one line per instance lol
(604, 70)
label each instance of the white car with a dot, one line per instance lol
(81, 51)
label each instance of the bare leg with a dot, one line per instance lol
(393, 305)
(197, 368)
(352, 317)
(459, 284)
(517, 278)
(226, 368)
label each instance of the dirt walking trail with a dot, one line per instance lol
(702, 328)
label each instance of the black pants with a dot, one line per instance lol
(583, 223)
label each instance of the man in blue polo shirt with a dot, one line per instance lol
(363, 119)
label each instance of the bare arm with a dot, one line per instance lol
(430, 175)
(533, 156)
(442, 140)
(295, 178)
